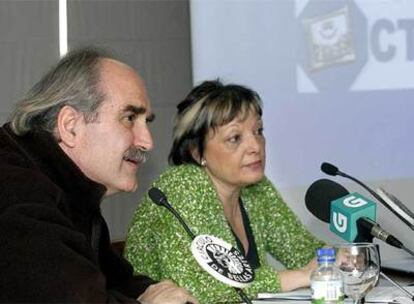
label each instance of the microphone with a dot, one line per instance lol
(319, 196)
(351, 216)
(393, 204)
(222, 261)
(159, 198)
(330, 169)
(324, 193)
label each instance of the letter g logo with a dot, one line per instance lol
(354, 202)
(340, 221)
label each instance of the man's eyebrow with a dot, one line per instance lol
(138, 111)
(134, 109)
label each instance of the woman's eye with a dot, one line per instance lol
(234, 139)
(260, 131)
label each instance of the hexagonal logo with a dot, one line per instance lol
(330, 55)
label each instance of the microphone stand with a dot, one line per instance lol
(164, 203)
(407, 250)
(393, 282)
(376, 195)
(364, 236)
(240, 292)
(379, 198)
(180, 219)
(397, 285)
(372, 192)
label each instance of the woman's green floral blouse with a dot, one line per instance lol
(157, 244)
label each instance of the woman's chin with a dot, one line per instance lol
(254, 179)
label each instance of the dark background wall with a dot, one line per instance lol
(28, 46)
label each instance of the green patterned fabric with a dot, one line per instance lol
(157, 244)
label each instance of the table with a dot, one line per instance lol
(385, 292)
(380, 294)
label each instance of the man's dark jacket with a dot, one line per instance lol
(54, 243)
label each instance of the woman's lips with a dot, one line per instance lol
(255, 165)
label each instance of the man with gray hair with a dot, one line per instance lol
(80, 134)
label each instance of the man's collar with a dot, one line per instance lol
(43, 151)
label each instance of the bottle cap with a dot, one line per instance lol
(326, 254)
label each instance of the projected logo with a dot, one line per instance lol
(354, 45)
(330, 39)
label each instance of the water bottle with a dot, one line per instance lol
(326, 280)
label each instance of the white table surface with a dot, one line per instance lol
(380, 294)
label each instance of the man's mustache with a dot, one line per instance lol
(137, 155)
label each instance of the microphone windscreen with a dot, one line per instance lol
(329, 169)
(319, 196)
(157, 196)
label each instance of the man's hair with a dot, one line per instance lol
(73, 82)
(207, 107)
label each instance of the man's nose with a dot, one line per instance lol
(143, 138)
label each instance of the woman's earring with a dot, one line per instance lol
(203, 162)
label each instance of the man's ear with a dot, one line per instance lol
(66, 125)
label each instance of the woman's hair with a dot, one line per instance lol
(73, 81)
(207, 107)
